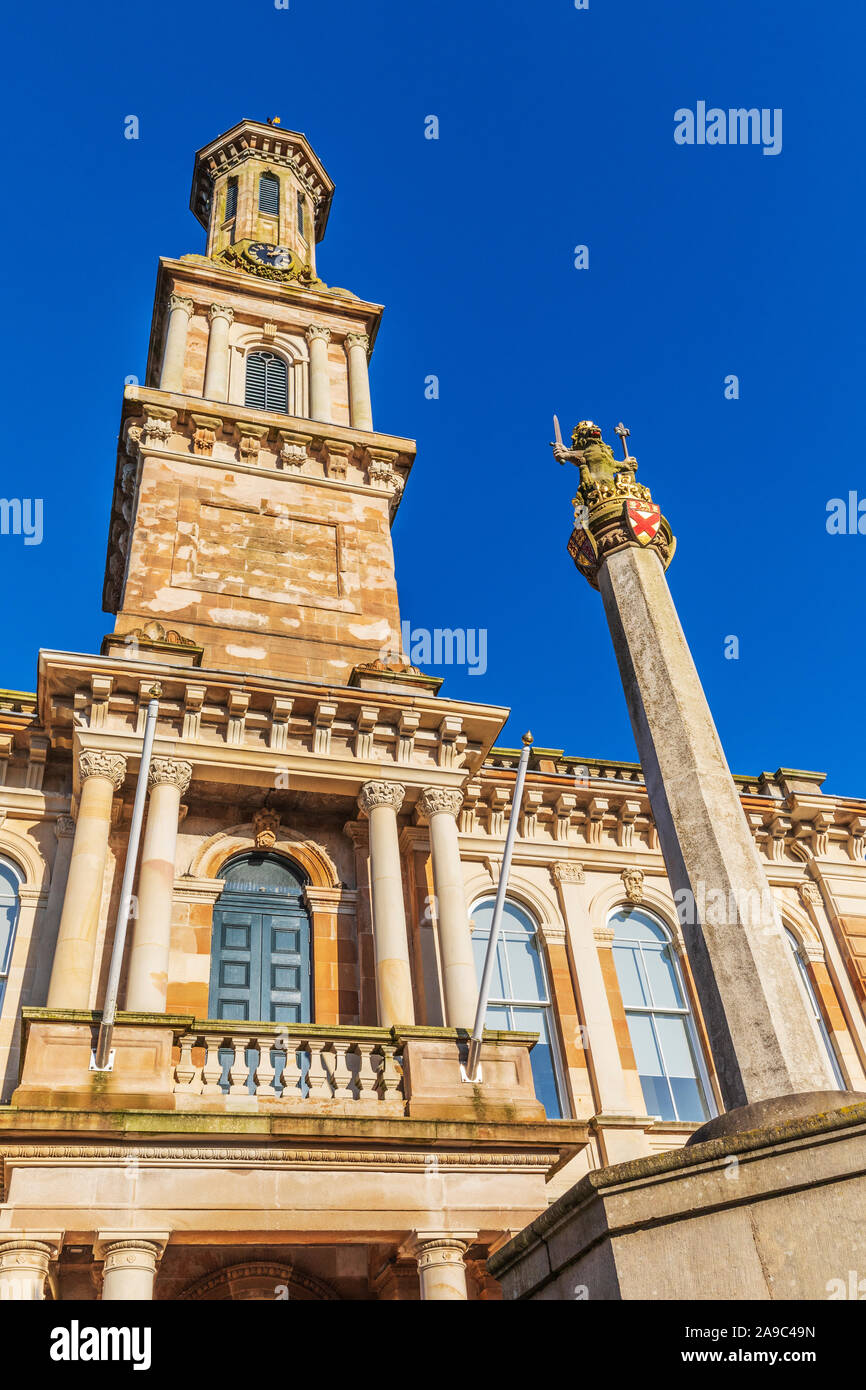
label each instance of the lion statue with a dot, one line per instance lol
(595, 459)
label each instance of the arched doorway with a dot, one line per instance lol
(260, 949)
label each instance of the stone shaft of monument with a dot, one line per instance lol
(764, 1039)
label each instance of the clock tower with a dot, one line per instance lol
(253, 494)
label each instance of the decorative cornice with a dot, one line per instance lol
(434, 800)
(168, 772)
(375, 794)
(246, 1154)
(110, 766)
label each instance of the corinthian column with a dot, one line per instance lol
(216, 367)
(151, 941)
(361, 410)
(381, 801)
(320, 385)
(174, 353)
(440, 807)
(101, 776)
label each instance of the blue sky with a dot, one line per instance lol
(556, 129)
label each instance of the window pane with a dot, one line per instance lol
(7, 923)
(524, 964)
(543, 1074)
(633, 924)
(679, 1059)
(656, 1092)
(498, 1016)
(663, 986)
(497, 979)
(629, 974)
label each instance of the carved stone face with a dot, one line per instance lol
(586, 433)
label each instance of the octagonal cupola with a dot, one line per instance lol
(259, 184)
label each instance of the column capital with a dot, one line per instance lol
(131, 1254)
(170, 772)
(133, 1249)
(30, 1250)
(318, 330)
(375, 794)
(220, 311)
(180, 301)
(434, 800)
(439, 1247)
(110, 766)
(361, 340)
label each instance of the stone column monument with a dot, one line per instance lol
(762, 1032)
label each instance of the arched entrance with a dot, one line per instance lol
(260, 949)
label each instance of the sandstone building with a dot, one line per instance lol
(285, 1115)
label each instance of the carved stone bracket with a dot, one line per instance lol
(207, 427)
(250, 438)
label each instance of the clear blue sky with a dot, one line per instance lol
(556, 129)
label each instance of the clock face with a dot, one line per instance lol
(280, 257)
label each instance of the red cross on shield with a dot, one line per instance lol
(644, 520)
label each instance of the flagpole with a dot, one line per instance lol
(101, 1059)
(471, 1072)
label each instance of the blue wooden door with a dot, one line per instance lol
(260, 952)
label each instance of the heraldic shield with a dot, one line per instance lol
(644, 520)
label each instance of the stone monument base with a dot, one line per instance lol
(772, 1213)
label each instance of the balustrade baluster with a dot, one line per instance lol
(213, 1068)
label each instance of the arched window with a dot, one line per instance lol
(519, 996)
(11, 879)
(816, 1008)
(663, 1037)
(269, 195)
(267, 386)
(260, 951)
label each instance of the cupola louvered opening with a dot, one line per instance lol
(301, 229)
(267, 386)
(269, 195)
(231, 199)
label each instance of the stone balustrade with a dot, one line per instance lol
(175, 1062)
(296, 1066)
